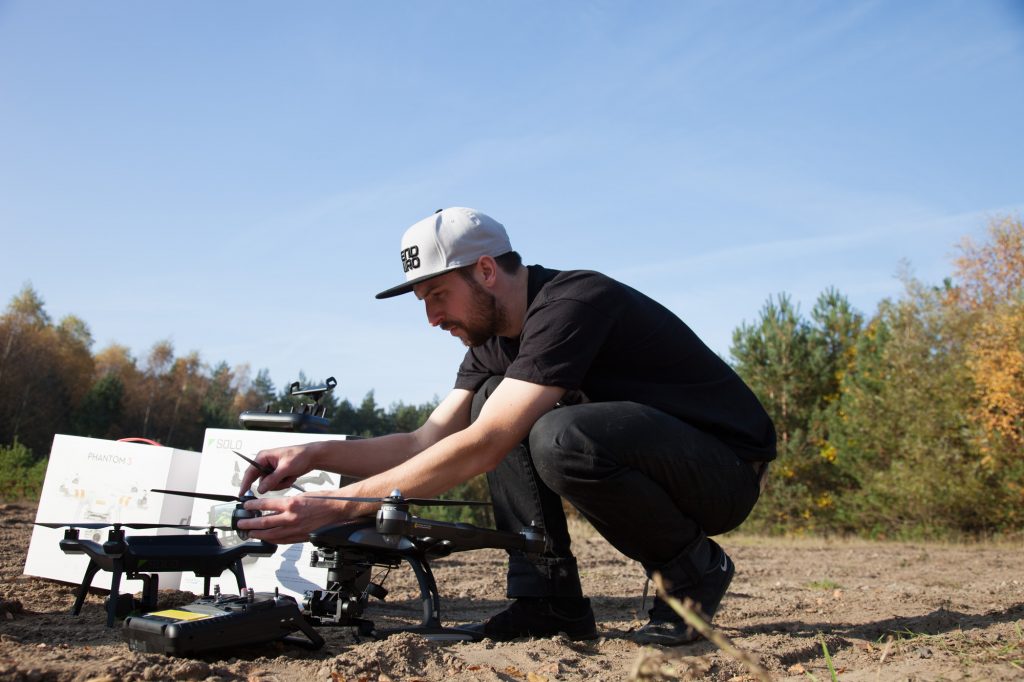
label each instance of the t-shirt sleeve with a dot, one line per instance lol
(559, 342)
(477, 366)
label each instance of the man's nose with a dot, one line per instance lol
(434, 316)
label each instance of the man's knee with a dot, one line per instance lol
(556, 445)
(482, 394)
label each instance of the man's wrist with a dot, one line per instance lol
(321, 454)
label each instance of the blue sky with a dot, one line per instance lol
(235, 177)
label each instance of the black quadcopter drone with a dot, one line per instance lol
(350, 551)
(143, 557)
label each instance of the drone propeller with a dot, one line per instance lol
(205, 496)
(239, 513)
(135, 526)
(396, 498)
(264, 469)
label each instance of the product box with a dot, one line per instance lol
(102, 481)
(220, 472)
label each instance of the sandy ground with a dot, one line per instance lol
(884, 611)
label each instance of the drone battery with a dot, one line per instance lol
(217, 622)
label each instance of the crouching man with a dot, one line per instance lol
(576, 387)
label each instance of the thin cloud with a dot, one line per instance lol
(813, 251)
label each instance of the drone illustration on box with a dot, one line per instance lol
(350, 552)
(108, 506)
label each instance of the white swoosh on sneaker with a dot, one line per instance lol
(725, 563)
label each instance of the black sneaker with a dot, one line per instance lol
(666, 633)
(666, 627)
(539, 617)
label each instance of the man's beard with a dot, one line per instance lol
(485, 320)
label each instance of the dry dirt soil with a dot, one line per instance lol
(884, 611)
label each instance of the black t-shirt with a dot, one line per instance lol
(586, 332)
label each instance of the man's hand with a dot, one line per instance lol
(286, 465)
(292, 519)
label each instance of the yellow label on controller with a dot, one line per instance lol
(178, 614)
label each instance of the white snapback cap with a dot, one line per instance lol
(448, 240)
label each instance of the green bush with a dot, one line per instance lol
(21, 475)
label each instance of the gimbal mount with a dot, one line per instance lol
(350, 550)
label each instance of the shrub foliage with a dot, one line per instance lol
(909, 423)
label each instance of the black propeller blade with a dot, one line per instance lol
(418, 501)
(205, 496)
(265, 469)
(136, 526)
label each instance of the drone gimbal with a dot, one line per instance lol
(350, 550)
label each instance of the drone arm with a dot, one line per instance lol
(465, 536)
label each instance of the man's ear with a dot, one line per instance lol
(487, 268)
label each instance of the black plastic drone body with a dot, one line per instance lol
(351, 550)
(142, 557)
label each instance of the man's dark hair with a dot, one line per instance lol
(508, 262)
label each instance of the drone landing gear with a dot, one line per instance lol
(430, 627)
(343, 602)
(349, 551)
(119, 605)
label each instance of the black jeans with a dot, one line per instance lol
(653, 486)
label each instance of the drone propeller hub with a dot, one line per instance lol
(239, 513)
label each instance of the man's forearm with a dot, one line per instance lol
(443, 459)
(363, 458)
(453, 460)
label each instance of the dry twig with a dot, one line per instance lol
(686, 609)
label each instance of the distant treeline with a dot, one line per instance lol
(51, 382)
(909, 422)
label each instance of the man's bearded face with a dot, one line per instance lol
(484, 319)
